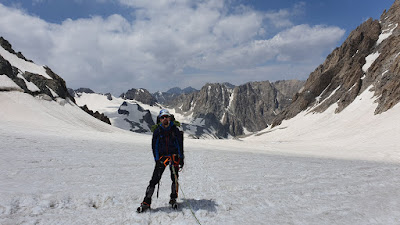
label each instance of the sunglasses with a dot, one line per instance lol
(163, 117)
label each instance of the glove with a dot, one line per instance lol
(181, 163)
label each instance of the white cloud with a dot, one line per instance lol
(304, 43)
(300, 43)
(283, 18)
(114, 54)
(236, 29)
(279, 19)
(284, 71)
(31, 34)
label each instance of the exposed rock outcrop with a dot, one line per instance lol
(96, 114)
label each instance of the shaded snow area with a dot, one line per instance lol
(60, 166)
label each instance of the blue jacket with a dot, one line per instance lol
(166, 141)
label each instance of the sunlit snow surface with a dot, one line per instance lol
(22, 65)
(58, 165)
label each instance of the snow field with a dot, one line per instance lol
(60, 166)
(81, 181)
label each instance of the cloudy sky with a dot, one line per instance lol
(115, 45)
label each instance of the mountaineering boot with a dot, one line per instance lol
(173, 203)
(143, 207)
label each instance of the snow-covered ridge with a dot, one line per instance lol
(23, 65)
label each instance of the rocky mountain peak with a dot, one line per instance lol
(84, 90)
(175, 90)
(189, 90)
(141, 95)
(212, 98)
(369, 57)
(233, 110)
(36, 80)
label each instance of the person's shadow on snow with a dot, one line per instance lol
(193, 204)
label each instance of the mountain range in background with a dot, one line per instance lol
(368, 60)
(217, 110)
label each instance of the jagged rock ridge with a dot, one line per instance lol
(368, 58)
(233, 111)
(219, 110)
(168, 97)
(46, 85)
(141, 95)
(96, 114)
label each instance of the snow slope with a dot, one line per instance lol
(60, 166)
(355, 133)
(99, 102)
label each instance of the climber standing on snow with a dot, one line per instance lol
(167, 145)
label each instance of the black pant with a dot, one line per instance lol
(158, 171)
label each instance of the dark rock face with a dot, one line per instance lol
(385, 71)
(75, 93)
(141, 95)
(345, 73)
(109, 96)
(96, 114)
(84, 90)
(71, 92)
(122, 109)
(256, 104)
